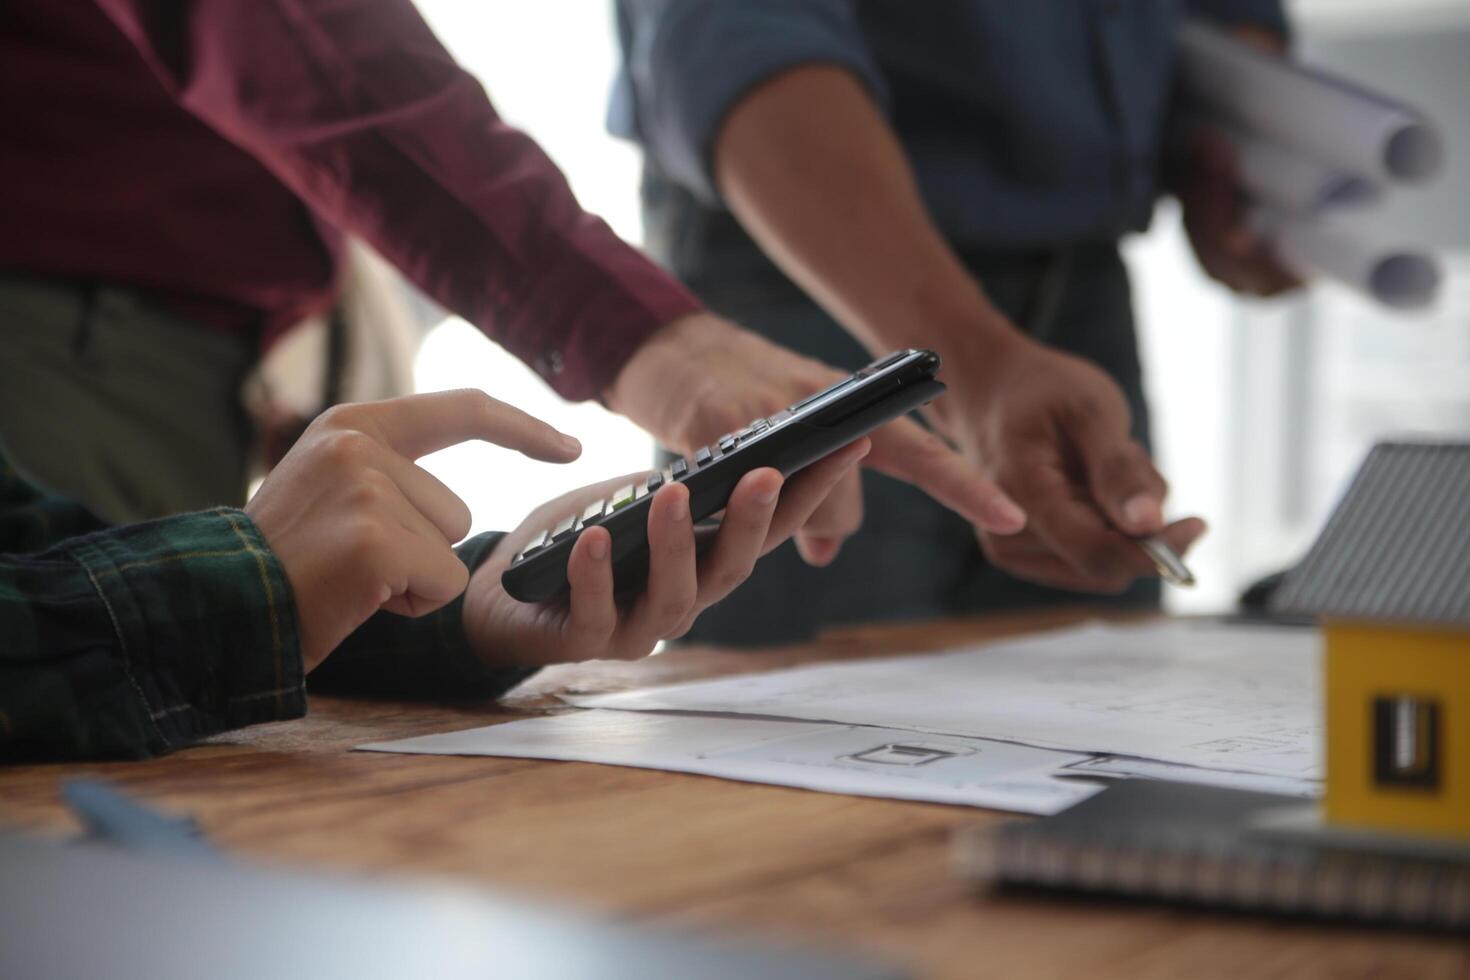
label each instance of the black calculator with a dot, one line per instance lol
(793, 438)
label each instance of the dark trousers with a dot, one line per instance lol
(912, 559)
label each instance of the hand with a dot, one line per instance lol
(358, 527)
(589, 624)
(1214, 218)
(701, 377)
(1052, 430)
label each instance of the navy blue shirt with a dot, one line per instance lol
(1028, 123)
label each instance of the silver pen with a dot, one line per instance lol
(1171, 567)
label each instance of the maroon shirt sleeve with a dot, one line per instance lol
(358, 108)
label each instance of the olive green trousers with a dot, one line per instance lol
(127, 408)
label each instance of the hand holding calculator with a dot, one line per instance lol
(786, 441)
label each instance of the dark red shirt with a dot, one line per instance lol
(210, 152)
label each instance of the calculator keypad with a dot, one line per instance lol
(597, 512)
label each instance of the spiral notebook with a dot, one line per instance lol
(1224, 848)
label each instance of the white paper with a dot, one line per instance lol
(1123, 767)
(1215, 696)
(1342, 125)
(1398, 277)
(856, 760)
(1289, 182)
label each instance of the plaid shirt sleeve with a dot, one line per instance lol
(137, 640)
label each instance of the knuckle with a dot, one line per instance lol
(341, 417)
(673, 610)
(369, 492)
(347, 447)
(731, 579)
(482, 404)
(365, 540)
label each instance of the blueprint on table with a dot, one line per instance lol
(850, 759)
(1206, 694)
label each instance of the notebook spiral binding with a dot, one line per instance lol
(1338, 885)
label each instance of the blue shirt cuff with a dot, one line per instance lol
(692, 62)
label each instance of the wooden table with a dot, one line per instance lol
(693, 851)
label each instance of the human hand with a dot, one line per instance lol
(702, 376)
(1053, 431)
(359, 527)
(1214, 212)
(589, 623)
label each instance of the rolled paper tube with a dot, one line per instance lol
(1344, 126)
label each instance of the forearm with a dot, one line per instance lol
(355, 106)
(817, 177)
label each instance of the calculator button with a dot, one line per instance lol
(534, 546)
(678, 468)
(703, 457)
(760, 425)
(654, 482)
(640, 491)
(727, 444)
(593, 512)
(621, 499)
(745, 433)
(781, 416)
(564, 528)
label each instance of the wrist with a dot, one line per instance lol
(632, 393)
(973, 361)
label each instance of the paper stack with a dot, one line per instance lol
(1309, 146)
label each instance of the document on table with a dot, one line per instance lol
(852, 759)
(1122, 767)
(1209, 695)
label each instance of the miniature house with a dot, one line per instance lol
(1389, 578)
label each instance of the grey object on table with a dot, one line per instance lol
(92, 911)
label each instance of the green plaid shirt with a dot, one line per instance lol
(134, 641)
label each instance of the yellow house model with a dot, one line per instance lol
(1390, 579)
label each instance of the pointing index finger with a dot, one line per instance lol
(903, 450)
(417, 425)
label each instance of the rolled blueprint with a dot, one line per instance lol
(1345, 127)
(1400, 278)
(1289, 182)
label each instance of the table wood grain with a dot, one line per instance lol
(692, 851)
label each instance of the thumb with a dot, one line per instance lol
(1123, 481)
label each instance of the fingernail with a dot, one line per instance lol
(821, 551)
(1005, 515)
(597, 547)
(1203, 530)
(1143, 514)
(571, 444)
